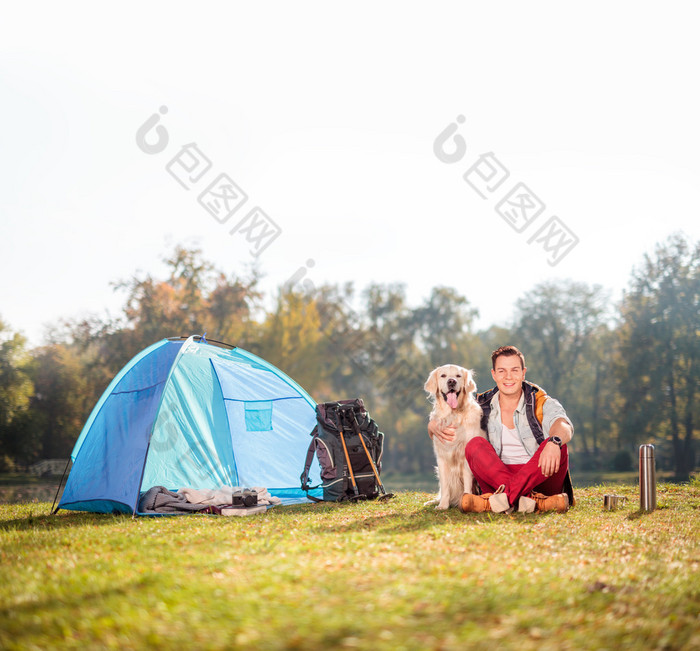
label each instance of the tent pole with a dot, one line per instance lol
(58, 490)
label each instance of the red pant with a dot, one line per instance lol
(520, 478)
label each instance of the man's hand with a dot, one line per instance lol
(550, 457)
(446, 435)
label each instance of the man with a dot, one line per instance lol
(524, 464)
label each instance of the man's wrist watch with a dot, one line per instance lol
(557, 440)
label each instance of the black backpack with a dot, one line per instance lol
(349, 448)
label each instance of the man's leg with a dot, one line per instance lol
(488, 469)
(490, 472)
(529, 477)
(519, 480)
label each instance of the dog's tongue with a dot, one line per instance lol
(452, 399)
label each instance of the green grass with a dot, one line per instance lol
(372, 575)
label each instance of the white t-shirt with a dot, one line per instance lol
(512, 450)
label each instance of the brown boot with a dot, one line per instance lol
(558, 503)
(475, 503)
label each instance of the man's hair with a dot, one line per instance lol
(507, 351)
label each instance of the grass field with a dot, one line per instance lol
(372, 575)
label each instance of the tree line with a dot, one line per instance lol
(627, 372)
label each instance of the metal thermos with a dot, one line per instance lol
(647, 478)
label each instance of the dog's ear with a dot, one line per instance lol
(471, 385)
(431, 384)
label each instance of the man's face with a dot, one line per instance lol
(508, 374)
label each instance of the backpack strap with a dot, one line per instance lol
(307, 466)
(484, 400)
(535, 397)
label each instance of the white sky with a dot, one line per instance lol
(325, 115)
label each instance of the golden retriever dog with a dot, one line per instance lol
(450, 390)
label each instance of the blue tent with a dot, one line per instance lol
(191, 413)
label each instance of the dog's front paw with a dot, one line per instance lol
(431, 502)
(442, 507)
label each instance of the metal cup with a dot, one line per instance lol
(611, 502)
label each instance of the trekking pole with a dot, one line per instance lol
(347, 458)
(352, 474)
(356, 427)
